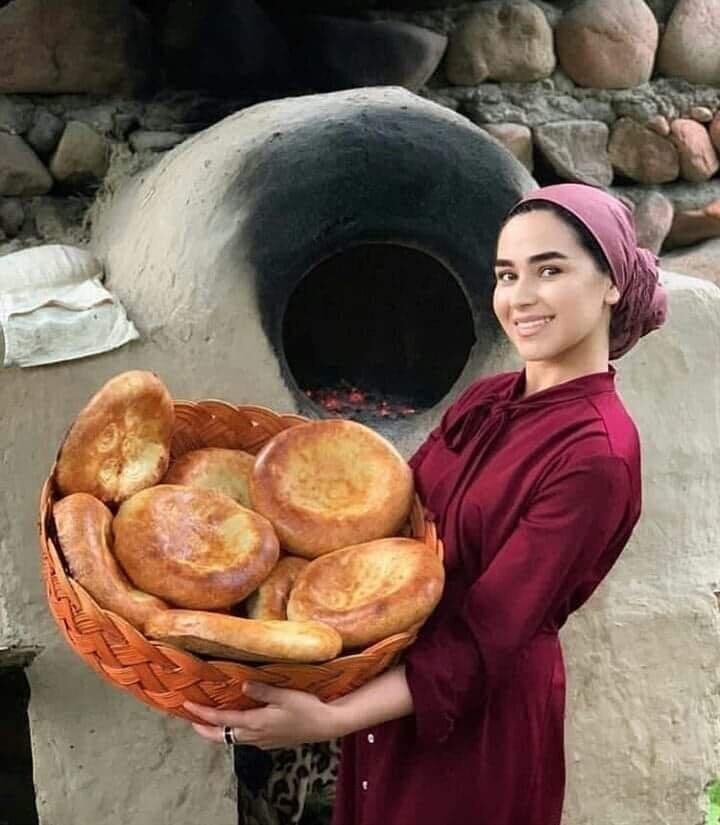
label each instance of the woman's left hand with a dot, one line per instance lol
(290, 717)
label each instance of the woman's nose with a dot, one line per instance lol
(523, 292)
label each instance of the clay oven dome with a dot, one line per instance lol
(345, 237)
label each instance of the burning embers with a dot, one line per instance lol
(348, 401)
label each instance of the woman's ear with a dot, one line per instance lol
(612, 296)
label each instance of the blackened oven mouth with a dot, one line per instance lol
(376, 333)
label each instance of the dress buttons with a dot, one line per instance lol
(364, 784)
(371, 738)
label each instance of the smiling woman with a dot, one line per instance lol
(554, 292)
(534, 481)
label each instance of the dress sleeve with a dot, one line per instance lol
(578, 517)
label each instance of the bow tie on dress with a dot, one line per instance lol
(469, 425)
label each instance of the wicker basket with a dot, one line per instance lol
(164, 676)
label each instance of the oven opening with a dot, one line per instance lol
(377, 332)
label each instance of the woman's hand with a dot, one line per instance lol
(290, 717)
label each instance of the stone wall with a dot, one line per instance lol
(604, 92)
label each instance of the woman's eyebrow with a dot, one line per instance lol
(534, 259)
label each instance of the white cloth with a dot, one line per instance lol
(53, 307)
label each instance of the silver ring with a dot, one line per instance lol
(229, 736)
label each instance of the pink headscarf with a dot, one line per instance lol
(643, 302)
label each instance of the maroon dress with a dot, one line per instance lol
(534, 498)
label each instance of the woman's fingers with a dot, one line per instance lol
(209, 732)
(213, 716)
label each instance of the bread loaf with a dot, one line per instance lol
(269, 601)
(214, 468)
(249, 640)
(120, 442)
(84, 532)
(369, 591)
(330, 484)
(196, 548)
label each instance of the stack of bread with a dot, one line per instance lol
(291, 555)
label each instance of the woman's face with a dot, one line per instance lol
(550, 297)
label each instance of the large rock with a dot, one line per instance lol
(689, 47)
(577, 150)
(82, 156)
(516, 138)
(690, 226)
(607, 44)
(641, 154)
(698, 158)
(227, 46)
(74, 46)
(504, 40)
(332, 53)
(21, 171)
(45, 132)
(653, 218)
(699, 261)
(714, 130)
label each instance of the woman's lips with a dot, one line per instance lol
(526, 329)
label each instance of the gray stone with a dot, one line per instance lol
(82, 156)
(577, 150)
(45, 132)
(516, 138)
(16, 114)
(74, 46)
(607, 44)
(682, 195)
(653, 218)
(641, 154)
(100, 117)
(701, 260)
(505, 40)
(12, 216)
(336, 53)
(659, 124)
(21, 171)
(222, 46)
(701, 113)
(689, 47)
(144, 141)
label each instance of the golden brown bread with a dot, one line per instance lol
(120, 442)
(214, 468)
(369, 591)
(84, 531)
(231, 637)
(330, 484)
(193, 547)
(269, 601)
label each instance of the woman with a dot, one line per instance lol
(534, 480)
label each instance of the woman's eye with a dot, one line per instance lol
(548, 270)
(504, 276)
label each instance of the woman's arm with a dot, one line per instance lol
(292, 717)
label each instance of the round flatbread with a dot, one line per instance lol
(84, 531)
(214, 468)
(329, 484)
(120, 442)
(245, 640)
(369, 591)
(195, 548)
(269, 601)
